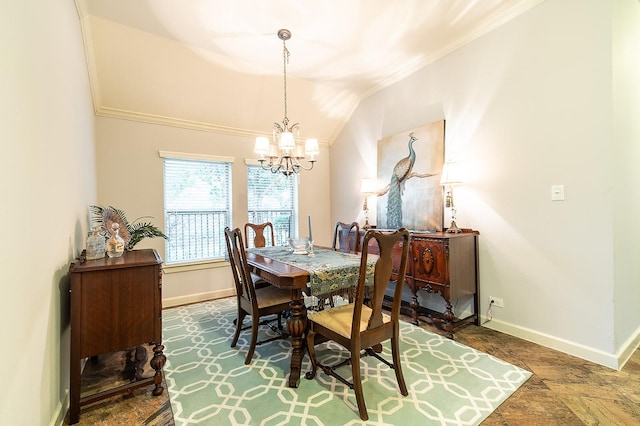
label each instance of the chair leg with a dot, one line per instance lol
(239, 320)
(357, 383)
(312, 355)
(255, 324)
(397, 366)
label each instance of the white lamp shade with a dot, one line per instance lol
(367, 186)
(298, 152)
(262, 145)
(311, 147)
(450, 174)
(286, 141)
(273, 151)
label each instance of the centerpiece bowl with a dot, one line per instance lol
(299, 245)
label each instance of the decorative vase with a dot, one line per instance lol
(95, 245)
(115, 244)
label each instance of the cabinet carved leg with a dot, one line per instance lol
(448, 319)
(414, 308)
(297, 325)
(157, 362)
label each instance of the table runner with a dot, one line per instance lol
(330, 272)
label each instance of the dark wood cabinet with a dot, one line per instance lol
(116, 303)
(444, 263)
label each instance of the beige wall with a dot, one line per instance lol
(48, 178)
(528, 106)
(130, 178)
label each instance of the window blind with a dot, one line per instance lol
(272, 197)
(197, 208)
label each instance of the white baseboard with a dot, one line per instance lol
(611, 360)
(195, 298)
(61, 411)
(628, 348)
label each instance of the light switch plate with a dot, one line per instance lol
(557, 192)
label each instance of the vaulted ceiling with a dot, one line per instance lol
(218, 64)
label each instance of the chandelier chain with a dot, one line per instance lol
(285, 54)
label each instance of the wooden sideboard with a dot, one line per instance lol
(444, 263)
(116, 303)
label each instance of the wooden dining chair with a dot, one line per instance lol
(259, 303)
(260, 233)
(358, 326)
(346, 237)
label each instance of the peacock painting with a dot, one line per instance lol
(411, 163)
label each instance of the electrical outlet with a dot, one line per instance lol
(497, 302)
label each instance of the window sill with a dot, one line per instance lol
(193, 266)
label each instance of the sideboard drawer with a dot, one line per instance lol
(429, 260)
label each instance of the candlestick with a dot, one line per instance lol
(310, 235)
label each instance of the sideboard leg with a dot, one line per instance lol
(74, 391)
(448, 319)
(157, 362)
(414, 307)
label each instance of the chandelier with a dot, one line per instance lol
(284, 153)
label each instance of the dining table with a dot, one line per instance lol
(320, 273)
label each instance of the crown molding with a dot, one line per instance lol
(87, 41)
(173, 122)
(178, 122)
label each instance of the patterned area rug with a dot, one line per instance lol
(449, 383)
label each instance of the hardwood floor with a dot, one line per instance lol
(564, 390)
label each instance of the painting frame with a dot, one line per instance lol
(408, 172)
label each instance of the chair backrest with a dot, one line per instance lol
(259, 237)
(346, 237)
(239, 265)
(384, 274)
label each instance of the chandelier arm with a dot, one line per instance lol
(299, 165)
(268, 166)
(276, 167)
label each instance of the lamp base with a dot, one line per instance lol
(366, 224)
(453, 228)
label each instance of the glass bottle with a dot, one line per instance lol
(95, 245)
(115, 244)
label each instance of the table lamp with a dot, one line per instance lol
(450, 178)
(367, 188)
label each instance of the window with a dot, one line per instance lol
(197, 206)
(273, 197)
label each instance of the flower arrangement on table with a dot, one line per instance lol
(131, 232)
